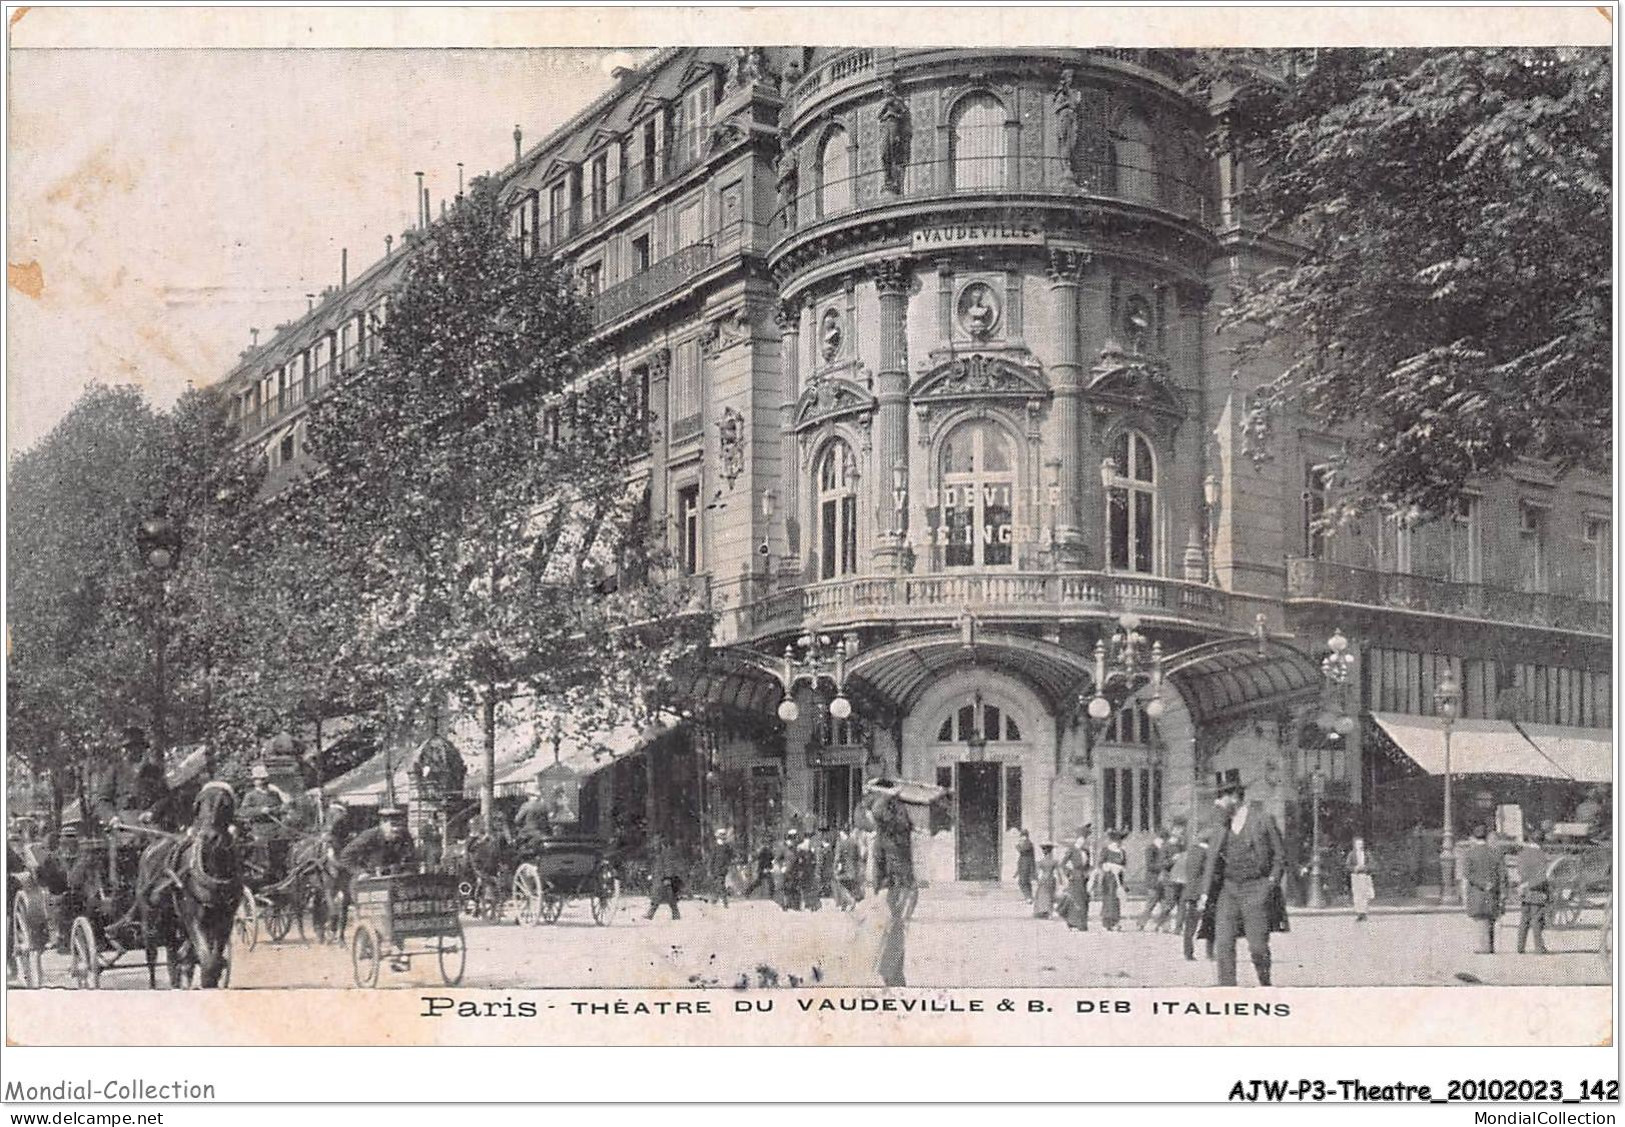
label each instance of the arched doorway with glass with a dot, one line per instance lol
(975, 497)
(837, 515)
(982, 735)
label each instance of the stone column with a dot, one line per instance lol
(892, 279)
(659, 427)
(1066, 268)
(788, 316)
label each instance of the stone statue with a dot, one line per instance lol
(1065, 102)
(731, 444)
(894, 135)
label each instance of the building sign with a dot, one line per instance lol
(990, 513)
(974, 234)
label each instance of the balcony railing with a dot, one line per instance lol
(998, 175)
(1013, 594)
(600, 202)
(654, 283)
(1322, 579)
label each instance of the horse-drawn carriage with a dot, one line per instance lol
(406, 916)
(560, 869)
(1580, 877)
(36, 882)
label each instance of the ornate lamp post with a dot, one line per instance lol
(1126, 669)
(159, 542)
(1336, 667)
(1447, 700)
(819, 660)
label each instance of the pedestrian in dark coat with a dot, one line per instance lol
(1044, 888)
(1534, 891)
(1486, 878)
(764, 872)
(1026, 865)
(1242, 869)
(1190, 894)
(665, 878)
(1076, 865)
(1157, 857)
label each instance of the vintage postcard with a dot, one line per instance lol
(921, 527)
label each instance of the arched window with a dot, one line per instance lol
(978, 489)
(834, 174)
(977, 148)
(978, 720)
(837, 512)
(1135, 165)
(1131, 502)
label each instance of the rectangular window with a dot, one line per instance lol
(600, 186)
(688, 529)
(828, 539)
(288, 448)
(1598, 534)
(1466, 564)
(558, 214)
(696, 119)
(1156, 798)
(1314, 509)
(1125, 817)
(849, 534)
(1531, 547)
(685, 392)
(1012, 798)
(1145, 800)
(641, 375)
(690, 222)
(642, 259)
(592, 279)
(1108, 797)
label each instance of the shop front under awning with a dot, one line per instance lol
(1586, 754)
(1477, 747)
(580, 748)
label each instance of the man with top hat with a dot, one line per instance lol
(1245, 864)
(386, 847)
(132, 792)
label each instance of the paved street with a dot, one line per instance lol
(960, 936)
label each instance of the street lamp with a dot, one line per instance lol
(1127, 671)
(820, 659)
(1447, 700)
(1336, 667)
(159, 542)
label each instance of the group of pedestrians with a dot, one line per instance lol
(1067, 886)
(800, 870)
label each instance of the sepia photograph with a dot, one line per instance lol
(541, 528)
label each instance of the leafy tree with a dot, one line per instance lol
(465, 472)
(1449, 301)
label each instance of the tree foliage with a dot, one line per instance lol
(1452, 302)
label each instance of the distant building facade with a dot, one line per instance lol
(926, 338)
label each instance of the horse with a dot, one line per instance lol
(322, 887)
(188, 887)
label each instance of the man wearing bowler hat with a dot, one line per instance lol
(1242, 868)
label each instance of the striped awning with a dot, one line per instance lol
(1476, 747)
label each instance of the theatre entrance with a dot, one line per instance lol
(978, 800)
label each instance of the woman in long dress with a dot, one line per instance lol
(1108, 881)
(1044, 887)
(1358, 863)
(1077, 867)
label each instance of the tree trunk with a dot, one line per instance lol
(488, 786)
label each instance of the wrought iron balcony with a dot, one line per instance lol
(1342, 583)
(1014, 594)
(653, 284)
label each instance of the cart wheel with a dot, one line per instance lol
(87, 956)
(365, 950)
(527, 894)
(28, 938)
(248, 921)
(451, 951)
(278, 922)
(607, 901)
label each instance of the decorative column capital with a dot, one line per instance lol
(711, 339)
(1067, 267)
(787, 314)
(892, 276)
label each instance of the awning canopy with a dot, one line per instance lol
(1477, 747)
(1234, 676)
(580, 748)
(1585, 754)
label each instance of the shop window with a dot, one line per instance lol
(1131, 502)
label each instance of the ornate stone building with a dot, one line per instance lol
(928, 343)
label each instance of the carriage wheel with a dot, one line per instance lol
(279, 921)
(527, 894)
(365, 951)
(451, 952)
(248, 921)
(86, 954)
(468, 893)
(1567, 904)
(607, 900)
(28, 940)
